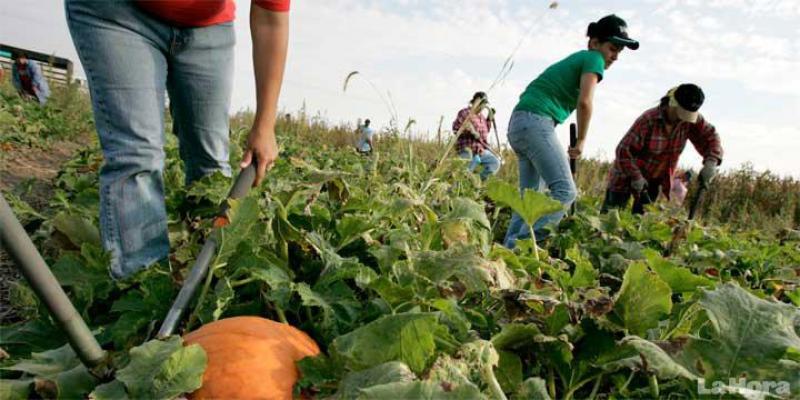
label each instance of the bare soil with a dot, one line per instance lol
(30, 172)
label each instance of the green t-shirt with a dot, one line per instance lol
(554, 93)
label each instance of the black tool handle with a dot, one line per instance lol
(696, 200)
(573, 141)
(200, 268)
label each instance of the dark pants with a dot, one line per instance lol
(620, 200)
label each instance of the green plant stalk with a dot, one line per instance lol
(203, 293)
(281, 314)
(488, 376)
(624, 389)
(596, 387)
(652, 380)
(533, 238)
(580, 384)
(551, 383)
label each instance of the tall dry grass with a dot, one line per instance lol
(743, 199)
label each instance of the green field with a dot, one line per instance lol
(392, 264)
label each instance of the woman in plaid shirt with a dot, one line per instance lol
(648, 153)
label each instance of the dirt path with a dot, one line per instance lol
(29, 172)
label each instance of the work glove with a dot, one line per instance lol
(639, 184)
(471, 129)
(708, 172)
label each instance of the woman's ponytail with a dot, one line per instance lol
(591, 31)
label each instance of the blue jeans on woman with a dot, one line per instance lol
(542, 163)
(487, 159)
(131, 59)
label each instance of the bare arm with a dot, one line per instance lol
(270, 33)
(588, 83)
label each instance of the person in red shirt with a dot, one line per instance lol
(648, 154)
(136, 52)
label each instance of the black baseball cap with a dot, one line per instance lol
(687, 99)
(613, 29)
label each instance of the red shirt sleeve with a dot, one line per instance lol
(633, 143)
(706, 140)
(273, 5)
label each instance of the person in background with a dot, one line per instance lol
(133, 53)
(27, 78)
(472, 129)
(680, 184)
(365, 143)
(648, 154)
(549, 100)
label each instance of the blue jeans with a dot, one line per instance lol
(542, 162)
(487, 159)
(131, 59)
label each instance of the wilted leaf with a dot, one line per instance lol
(746, 337)
(643, 300)
(163, 369)
(648, 357)
(533, 389)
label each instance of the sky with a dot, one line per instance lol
(429, 57)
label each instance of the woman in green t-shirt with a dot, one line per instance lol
(548, 101)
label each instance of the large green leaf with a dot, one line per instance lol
(139, 307)
(15, 389)
(113, 390)
(468, 209)
(403, 337)
(643, 300)
(530, 206)
(679, 279)
(31, 336)
(59, 372)
(336, 266)
(242, 215)
(163, 369)
(350, 227)
(87, 280)
(746, 337)
(76, 229)
(392, 371)
(584, 274)
(509, 371)
(425, 390)
(513, 336)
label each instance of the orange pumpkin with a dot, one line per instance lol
(250, 358)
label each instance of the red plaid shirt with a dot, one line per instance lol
(466, 139)
(648, 150)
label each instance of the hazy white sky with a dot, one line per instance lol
(432, 55)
